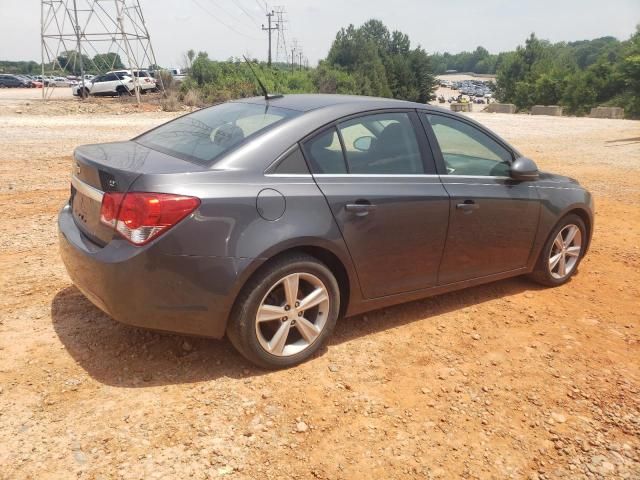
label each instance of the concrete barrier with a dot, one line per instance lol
(607, 112)
(501, 108)
(553, 110)
(461, 107)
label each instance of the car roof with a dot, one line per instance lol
(318, 111)
(308, 102)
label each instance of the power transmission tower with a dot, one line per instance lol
(281, 42)
(81, 36)
(269, 29)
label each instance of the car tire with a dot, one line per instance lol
(548, 270)
(256, 338)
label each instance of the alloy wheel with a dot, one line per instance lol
(293, 314)
(565, 252)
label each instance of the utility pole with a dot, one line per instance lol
(269, 29)
(294, 51)
(300, 57)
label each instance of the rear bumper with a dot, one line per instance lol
(144, 287)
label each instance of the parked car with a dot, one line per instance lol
(145, 81)
(30, 82)
(268, 219)
(14, 81)
(110, 84)
(178, 74)
(59, 82)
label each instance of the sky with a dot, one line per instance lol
(226, 28)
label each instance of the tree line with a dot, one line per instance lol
(576, 75)
(368, 60)
(372, 60)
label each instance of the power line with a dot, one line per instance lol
(222, 22)
(247, 13)
(233, 16)
(266, 8)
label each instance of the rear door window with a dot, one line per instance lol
(383, 143)
(324, 153)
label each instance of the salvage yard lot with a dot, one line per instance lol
(506, 380)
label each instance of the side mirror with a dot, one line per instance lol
(524, 168)
(362, 144)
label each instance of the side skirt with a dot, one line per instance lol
(382, 302)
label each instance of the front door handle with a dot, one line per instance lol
(360, 207)
(468, 206)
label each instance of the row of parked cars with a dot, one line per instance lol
(472, 88)
(18, 81)
(38, 81)
(115, 83)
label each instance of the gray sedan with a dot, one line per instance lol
(267, 219)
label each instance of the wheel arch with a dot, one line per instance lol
(339, 266)
(586, 218)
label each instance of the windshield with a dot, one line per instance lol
(204, 135)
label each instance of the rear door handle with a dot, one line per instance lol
(468, 206)
(360, 208)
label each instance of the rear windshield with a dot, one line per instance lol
(204, 135)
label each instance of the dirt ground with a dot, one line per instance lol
(507, 380)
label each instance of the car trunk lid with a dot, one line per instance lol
(112, 167)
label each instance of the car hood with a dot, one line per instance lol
(549, 177)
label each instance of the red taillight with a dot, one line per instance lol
(140, 216)
(109, 210)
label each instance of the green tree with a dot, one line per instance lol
(105, 62)
(383, 63)
(69, 61)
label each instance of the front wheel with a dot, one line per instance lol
(285, 312)
(562, 252)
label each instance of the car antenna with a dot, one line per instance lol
(267, 95)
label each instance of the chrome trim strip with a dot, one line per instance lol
(288, 175)
(372, 175)
(494, 177)
(395, 175)
(86, 189)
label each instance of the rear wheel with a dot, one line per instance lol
(562, 252)
(285, 312)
